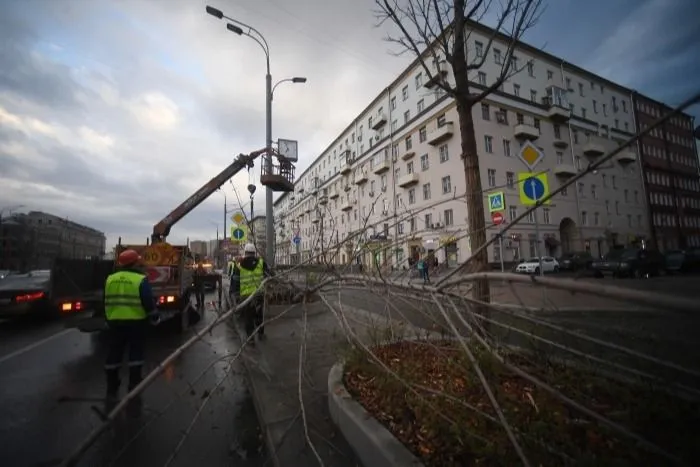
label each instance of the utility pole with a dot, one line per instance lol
(269, 225)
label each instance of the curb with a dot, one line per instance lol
(267, 434)
(372, 443)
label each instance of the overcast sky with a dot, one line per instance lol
(114, 112)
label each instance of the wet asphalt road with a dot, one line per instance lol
(51, 379)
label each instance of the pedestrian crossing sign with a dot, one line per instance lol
(497, 202)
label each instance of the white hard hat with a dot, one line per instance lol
(249, 248)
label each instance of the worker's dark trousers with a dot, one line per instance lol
(123, 334)
(199, 294)
(253, 316)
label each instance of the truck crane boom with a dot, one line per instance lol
(162, 229)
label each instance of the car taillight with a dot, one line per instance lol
(166, 299)
(29, 297)
(71, 306)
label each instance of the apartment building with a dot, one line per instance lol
(391, 185)
(670, 162)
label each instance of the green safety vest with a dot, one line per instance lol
(122, 296)
(251, 279)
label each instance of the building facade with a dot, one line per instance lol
(35, 239)
(670, 163)
(199, 248)
(392, 185)
(257, 233)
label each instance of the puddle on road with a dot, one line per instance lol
(248, 445)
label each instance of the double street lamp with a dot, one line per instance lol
(243, 29)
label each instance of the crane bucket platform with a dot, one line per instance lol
(279, 177)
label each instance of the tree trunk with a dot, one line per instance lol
(475, 201)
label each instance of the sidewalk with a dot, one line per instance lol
(273, 369)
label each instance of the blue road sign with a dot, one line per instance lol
(238, 234)
(296, 240)
(533, 188)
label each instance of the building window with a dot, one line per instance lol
(392, 103)
(478, 49)
(424, 163)
(409, 143)
(626, 195)
(428, 219)
(441, 120)
(419, 80)
(516, 90)
(449, 217)
(446, 185)
(497, 57)
(557, 131)
(533, 95)
(506, 148)
(532, 240)
(520, 118)
(485, 112)
(594, 192)
(412, 196)
(584, 218)
(488, 144)
(404, 92)
(510, 179)
(409, 168)
(531, 217)
(546, 216)
(406, 116)
(491, 177)
(512, 213)
(531, 68)
(422, 134)
(482, 78)
(596, 218)
(444, 153)
(426, 191)
(420, 106)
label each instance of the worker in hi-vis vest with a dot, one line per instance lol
(250, 272)
(129, 303)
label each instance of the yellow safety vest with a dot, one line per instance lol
(251, 279)
(122, 296)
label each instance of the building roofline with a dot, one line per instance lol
(637, 94)
(415, 62)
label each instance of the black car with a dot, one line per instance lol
(575, 261)
(682, 261)
(26, 294)
(629, 262)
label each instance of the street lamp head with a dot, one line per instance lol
(215, 12)
(298, 79)
(234, 28)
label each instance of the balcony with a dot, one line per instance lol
(382, 166)
(360, 177)
(345, 162)
(591, 149)
(560, 143)
(441, 133)
(300, 190)
(438, 76)
(379, 121)
(408, 180)
(323, 200)
(307, 210)
(315, 217)
(557, 104)
(407, 155)
(334, 193)
(346, 187)
(347, 205)
(528, 132)
(626, 157)
(565, 170)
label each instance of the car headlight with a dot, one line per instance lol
(624, 265)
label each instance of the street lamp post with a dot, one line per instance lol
(239, 28)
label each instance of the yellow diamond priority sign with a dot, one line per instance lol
(530, 155)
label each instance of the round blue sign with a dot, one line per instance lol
(238, 234)
(296, 240)
(533, 188)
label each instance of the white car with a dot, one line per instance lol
(532, 265)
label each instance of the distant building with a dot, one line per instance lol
(36, 239)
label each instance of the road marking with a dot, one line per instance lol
(32, 346)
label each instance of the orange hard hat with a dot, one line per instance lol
(128, 258)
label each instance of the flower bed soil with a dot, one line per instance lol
(442, 431)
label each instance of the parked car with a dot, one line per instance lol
(682, 261)
(26, 294)
(630, 262)
(532, 265)
(575, 261)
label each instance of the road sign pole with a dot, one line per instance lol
(537, 225)
(500, 246)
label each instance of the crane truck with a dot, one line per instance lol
(78, 285)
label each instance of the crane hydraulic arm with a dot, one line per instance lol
(162, 229)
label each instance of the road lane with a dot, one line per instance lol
(48, 392)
